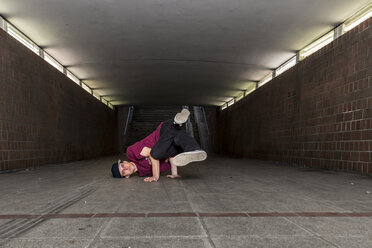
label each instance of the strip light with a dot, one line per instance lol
(266, 79)
(3, 24)
(231, 102)
(290, 63)
(358, 18)
(53, 62)
(316, 45)
(73, 77)
(86, 87)
(96, 95)
(240, 96)
(104, 101)
(23, 39)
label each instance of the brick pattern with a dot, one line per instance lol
(44, 116)
(211, 115)
(317, 114)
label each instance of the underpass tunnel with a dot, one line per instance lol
(280, 99)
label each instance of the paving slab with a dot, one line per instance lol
(153, 243)
(89, 206)
(357, 205)
(279, 203)
(148, 227)
(213, 202)
(154, 206)
(262, 226)
(336, 226)
(291, 241)
(66, 228)
(46, 243)
(350, 241)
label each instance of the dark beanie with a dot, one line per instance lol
(115, 170)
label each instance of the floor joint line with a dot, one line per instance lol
(201, 221)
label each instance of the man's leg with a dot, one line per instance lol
(191, 150)
(174, 140)
(165, 147)
(186, 142)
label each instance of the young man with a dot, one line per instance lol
(165, 148)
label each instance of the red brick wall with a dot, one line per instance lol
(44, 116)
(211, 115)
(318, 113)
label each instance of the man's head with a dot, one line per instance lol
(123, 169)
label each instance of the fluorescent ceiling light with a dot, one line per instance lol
(290, 63)
(266, 79)
(239, 97)
(316, 45)
(359, 17)
(2, 24)
(224, 106)
(22, 38)
(96, 95)
(104, 101)
(85, 87)
(231, 102)
(73, 77)
(53, 62)
(249, 89)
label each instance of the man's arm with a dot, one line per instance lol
(145, 152)
(154, 164)
(155, 170)
(173, 170)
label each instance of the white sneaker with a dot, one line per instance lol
(182, 116)
(185, 158)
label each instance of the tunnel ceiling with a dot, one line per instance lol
(172, 51)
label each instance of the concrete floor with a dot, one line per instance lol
(221, 202)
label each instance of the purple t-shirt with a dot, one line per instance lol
(143, 164)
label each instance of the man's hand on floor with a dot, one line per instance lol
(173, 176)
(151, 179)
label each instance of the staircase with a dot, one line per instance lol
(194, 125)
(145, 119)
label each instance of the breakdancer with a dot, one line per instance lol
(164, 149)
